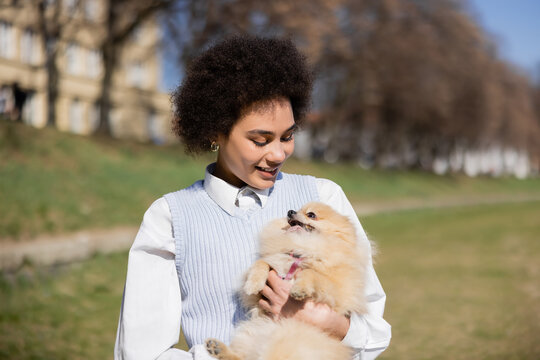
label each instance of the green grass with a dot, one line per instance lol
(53, 182)
(462, 283)
(65, 313)
(390, 186)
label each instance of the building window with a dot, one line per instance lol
(29, 51)
(50, 45)
(72, 61)
(70, 6)
(7, 49)
(136, 74)
(137, 34)
(93, 63)
(94, 117)
(50, 3)
(6, 100)
(76, 120)
(155, 128)
(29, 110)
(90, 9)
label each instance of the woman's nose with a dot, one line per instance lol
(277, 153)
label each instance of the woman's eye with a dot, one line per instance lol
(265, 142)
(288, 138)
(259, 143)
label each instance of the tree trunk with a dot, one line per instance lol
(109, 60)
(49, 42)
(108, 50)
(52, 87)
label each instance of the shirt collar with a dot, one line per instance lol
(225, 194)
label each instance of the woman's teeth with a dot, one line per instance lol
(270, 170)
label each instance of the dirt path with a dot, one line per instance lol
(377, 208)
(49, 250)
(57, 249)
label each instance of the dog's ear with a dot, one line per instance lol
(346, 234)
(334, 223)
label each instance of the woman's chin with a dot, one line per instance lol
(262, 182)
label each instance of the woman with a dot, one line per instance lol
(243, 99)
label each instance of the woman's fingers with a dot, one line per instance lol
(275, 294)
(278, 285)
(323, 317)
(266, 307)
(270, 295)
(277, 303)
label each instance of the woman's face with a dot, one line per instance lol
(257, 146)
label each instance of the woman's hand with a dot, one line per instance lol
(276, 301)
(275, 295)
(323, 317)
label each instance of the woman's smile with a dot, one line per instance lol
(268, 171)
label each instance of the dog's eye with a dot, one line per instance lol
(311, 215)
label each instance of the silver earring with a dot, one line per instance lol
(214, 146)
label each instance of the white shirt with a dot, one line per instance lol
(152, 299)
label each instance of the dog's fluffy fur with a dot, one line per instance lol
(333, 265)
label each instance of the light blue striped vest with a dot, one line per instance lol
(214, 249)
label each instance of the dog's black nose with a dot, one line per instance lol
(291, 213)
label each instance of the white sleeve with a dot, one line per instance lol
(369, 334)
(149, 323)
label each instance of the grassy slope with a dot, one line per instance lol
(462, 283)
(56, 182)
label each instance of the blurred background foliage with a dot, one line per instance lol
(399, 83)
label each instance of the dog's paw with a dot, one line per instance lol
(255, 282)
(298, 293)
(253, 288)
(302, 289)
(214, 347)
(219, 350)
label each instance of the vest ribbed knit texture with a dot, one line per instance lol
(214, 250)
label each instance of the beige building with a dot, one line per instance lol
(139, 109)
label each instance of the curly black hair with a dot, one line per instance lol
(232, 75)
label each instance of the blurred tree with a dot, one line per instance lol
(59, 22)
(399, 82)
(313, 24)
(121, 20)
(50, 27)
(535, 94)
(416, 80)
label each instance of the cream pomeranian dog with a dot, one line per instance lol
(316, 248)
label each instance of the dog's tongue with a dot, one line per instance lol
(295, 228)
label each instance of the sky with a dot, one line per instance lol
(515, 25)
